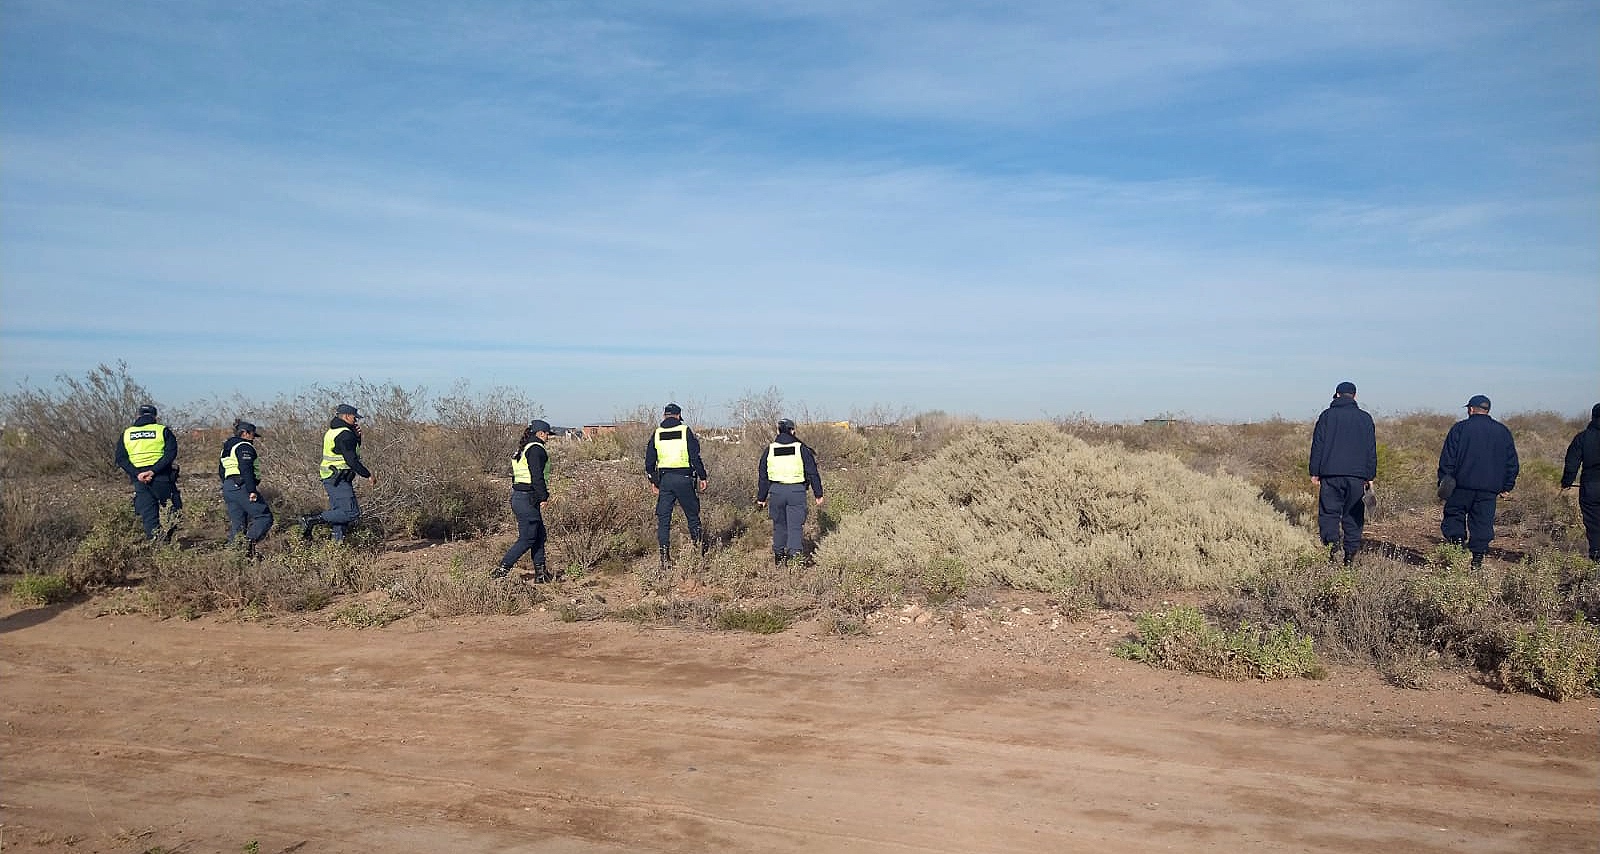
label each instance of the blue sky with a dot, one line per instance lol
(1008, 209)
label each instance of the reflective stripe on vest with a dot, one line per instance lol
(332, 461)
(520, 473)
(784, 463)
(672, 447)
(230, 461)
(145, 443)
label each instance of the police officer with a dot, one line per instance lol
(530, 491)
(672, 462)
(239, 468)
(1477, 464)
(341, 463)
(781, 481)
(148, 452)
(1584, 454)
(1344, 461)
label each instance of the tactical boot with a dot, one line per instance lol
(306, 523)
(778, 558)
(500, 572)
(1477, 561)
(541, 575)
(666, 557)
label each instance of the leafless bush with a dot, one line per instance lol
(485, 424)
(76, 425)
(598, 514)
(35, 537)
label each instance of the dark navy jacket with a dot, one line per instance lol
(1344, 443)
(163, 466)
(1584, 452)
(697, 468)
(807, 457)
(1479, 453)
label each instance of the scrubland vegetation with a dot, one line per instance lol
(931, 508)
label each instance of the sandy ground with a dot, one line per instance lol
(1015, 732)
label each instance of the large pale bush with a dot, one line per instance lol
(1032, 507)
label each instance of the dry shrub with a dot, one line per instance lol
(74, 427)
(1360, 612)
(1558, 660)
(192, 582)
(1031, 507)
(486, 424)
(460, 593)
(35, 537)
(597, 516)
(112, 550)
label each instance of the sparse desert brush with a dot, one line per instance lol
(41, 589)
(1360, 612)
(460, 592)
(74, 426)
(599, 513)
(190, 582)
(765, 620)
(35, 537)
(1553, 659)
(485, 424)
(1181, 638)
(1033, 508)
(112, 550)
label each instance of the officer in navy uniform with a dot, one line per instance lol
(782, 476)
(341, 463)
(1344, 461)
(672, 462)
(1477, 464)
(148, 452)
(530, 491)
(1583, 468)
(239, 468)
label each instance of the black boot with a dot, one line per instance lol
(666, 557)
(306, 524)
(1477, 561)
(541, 575)
(500, 572)
(778, 558)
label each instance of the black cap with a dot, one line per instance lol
(147, 409)
(1346, 387)
(539, 425)
(1595, 412)
(673, 409)
(785, 425)
(245, 427)
(347, 409)
(1478, 401)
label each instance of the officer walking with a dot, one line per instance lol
(781, 481)
(1344, 462)
(341, 463)
(148, 452)
(672, 462)
(530, 491)
(239, 468)
(1477, 465)
(1584, 454)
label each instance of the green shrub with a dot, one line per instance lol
(944, 577)
(190, 582)
(766, 621)
(113, 549)
(1553, 659)
(1181, 638)
(41, 589)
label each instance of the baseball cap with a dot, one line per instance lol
(1345, 387)
(785, 425)
(147, 409)
(673, 409)
(539, 425)
(1478, 401)
(245, 427)
(347, 409)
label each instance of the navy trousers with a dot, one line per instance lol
(676, 487)
(1340, 512)
(149, 498)
(1469, 518)
(531, 533)
(1589, 506)
(253, 518)
(786, 504)
(342, 506)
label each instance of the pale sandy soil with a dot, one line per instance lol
(1016, 732)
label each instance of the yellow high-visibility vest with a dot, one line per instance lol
(520, 473)
(230, 461)
(145, 443)
(332, 461)
(672, 447)
(784, 463)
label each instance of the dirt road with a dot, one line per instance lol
(123, 734)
